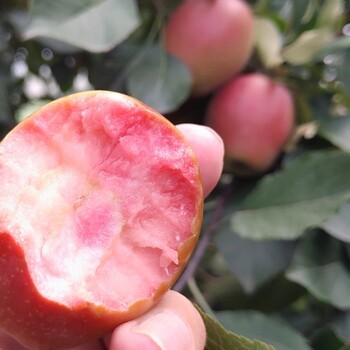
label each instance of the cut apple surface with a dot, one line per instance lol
(101, 208)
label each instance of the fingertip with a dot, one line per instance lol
(209, 149)
(124, 337)
(173, 324)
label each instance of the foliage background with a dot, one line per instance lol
(273, 261)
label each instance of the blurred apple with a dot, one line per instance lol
(213, 37)
(254, 116)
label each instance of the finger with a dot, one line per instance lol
(173, 324)
(209, 148)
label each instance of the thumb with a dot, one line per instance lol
(173, 324)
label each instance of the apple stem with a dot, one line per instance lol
(199, 297)
(205, 239)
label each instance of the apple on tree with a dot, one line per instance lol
(101, 208)
(213, 37)
(255, 117)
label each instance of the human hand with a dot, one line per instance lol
(174, 323)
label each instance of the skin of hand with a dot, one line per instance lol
(174, 323)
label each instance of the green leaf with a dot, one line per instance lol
(303, 195)
(338, 45)
(304, 48)
(159, 80)
(317, 266)
(93, 25)
(326, 339)
(300, 13)
(268, 42)
(344, 71)
(337, 131)
(218, 338)
(330, 13)
(4, 100)
(254, 324)
(341, 326)
(5, 116)
(252, 262)
(6, 119)
(338, 224)
(112, 71)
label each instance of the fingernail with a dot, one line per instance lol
(214, 133)
(167, 330)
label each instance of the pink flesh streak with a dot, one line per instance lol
(103, 195)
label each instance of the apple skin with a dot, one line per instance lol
(255, 117)
(27, 311)
(213, 37)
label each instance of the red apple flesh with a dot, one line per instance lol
(101, 207)
(213, 37)
(255, 117)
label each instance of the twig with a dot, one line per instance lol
(203, 243)
(199, 297)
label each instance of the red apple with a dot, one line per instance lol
(255, 117)
(101, 205)
(213, 37)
